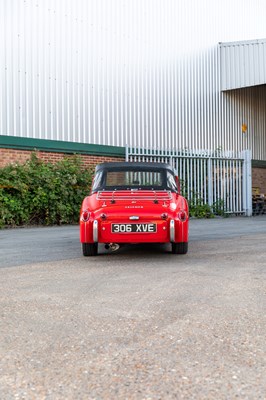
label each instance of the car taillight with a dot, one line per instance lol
(85, 216)
(182, 216)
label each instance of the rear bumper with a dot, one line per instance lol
(101, 232)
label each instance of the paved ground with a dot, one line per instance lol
(24, 246)
(138, 324)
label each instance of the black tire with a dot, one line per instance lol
(180, 248)
(90, 249)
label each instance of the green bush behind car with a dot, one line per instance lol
(38, 192)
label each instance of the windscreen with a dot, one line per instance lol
(134, 179)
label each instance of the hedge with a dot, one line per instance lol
(43, 193)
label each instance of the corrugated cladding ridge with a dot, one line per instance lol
(139, 72)
(243, 64)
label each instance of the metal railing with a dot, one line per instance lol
(207, 177)
(154, 195)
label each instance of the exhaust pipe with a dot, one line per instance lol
(112, 246)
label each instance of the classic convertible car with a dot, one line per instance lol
(134, 203)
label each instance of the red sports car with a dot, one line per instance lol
(134, 203)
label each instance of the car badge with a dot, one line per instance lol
(134, 217)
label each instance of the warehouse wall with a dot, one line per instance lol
(246, 106)
(138, 72)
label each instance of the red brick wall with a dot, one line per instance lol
(259, 179)
(12, 156)
(20, 156)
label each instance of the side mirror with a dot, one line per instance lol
(177, 183)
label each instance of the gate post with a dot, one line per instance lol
(247, 183)
(210, 182)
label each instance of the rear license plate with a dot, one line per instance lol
(134, 228)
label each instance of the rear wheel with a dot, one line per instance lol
(90, 249)
(180, 248)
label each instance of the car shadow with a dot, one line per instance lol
(143, 248)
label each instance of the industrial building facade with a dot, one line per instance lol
(91, 77)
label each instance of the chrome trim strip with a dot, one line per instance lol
(95, 231)
(172, 230)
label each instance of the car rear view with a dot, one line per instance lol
(134, 203)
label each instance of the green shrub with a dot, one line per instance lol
(198, 209)
(218, 208)
(43, 193)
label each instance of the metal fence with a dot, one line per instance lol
(218, 178)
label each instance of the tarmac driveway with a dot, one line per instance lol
(141, 323)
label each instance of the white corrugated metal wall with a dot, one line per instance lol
(142, 72)
(243, 64)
